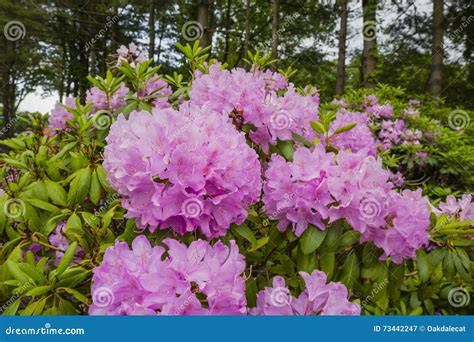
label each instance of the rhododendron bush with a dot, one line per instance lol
(234, 192)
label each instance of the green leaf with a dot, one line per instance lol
(244, 231)
(67, 258)
(286, 149)
(32, 272)
(460, 267)
(40, 306)
(251, 292)
(38, 291)
(306, 263)
(12, 308)
(79, 296)
(80, 186)
(396, 279)
(312, 239)
(318, 127)
(42, 205)
(302, 140)
(333, 237)
(417, 312)
(96, 189)
(102, 175)
(56, 193)
(423, 264)
(16, 272)
(259, 244)
(63, 152)
(448, 266)
(73, 280)
(350, 270)
(327, 262)
(344, 128)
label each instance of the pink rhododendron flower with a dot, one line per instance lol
(318, 298)
(160, 90)
(376, 110)
(462, 208)
(59, 240)
(197, 280)
(131, 55)
(406, 229)
(183, 170)
(99, 99)
(396, 132)
(356, 139)
(59, 115)
(316, 187)
(251, 98)
(297, 193)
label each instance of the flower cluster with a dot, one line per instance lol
(358, 138)
(59, 240)
(376, 110)
(462, 208)
(185, 170)
(59, 115)
(251, 98)
(412, 110)
(197, 280)
(396, 132)
(318, 298)
(353, 186)
(129, 54)
(100, 100)
(157, 89)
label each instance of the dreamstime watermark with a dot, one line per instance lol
(101, 34)
(22, 289)
(284, 25)
(280, 296)
(14, 208)
(375, 290)
(287, 200)
(187, 302)
(91, 221)
(9, 125)
(370, 208)
(369, 30)
(192, 30)
(193, 119)
(459, 297)
(14, 30)
(102, 120)
(103, 297)
(465, 22)
(46, 330)
(281, 120)
(458, 119)
(192, 207)
(460, 3)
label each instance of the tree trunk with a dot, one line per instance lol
(227, 30)
(63, 71)
(247, 28)
(204, 20)
(8, 95)
(369, 53)
(341, 62)
(7, 108)
(275, 18)
(93, 60)
(436, 76)
(115, 31)
(151, 28)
